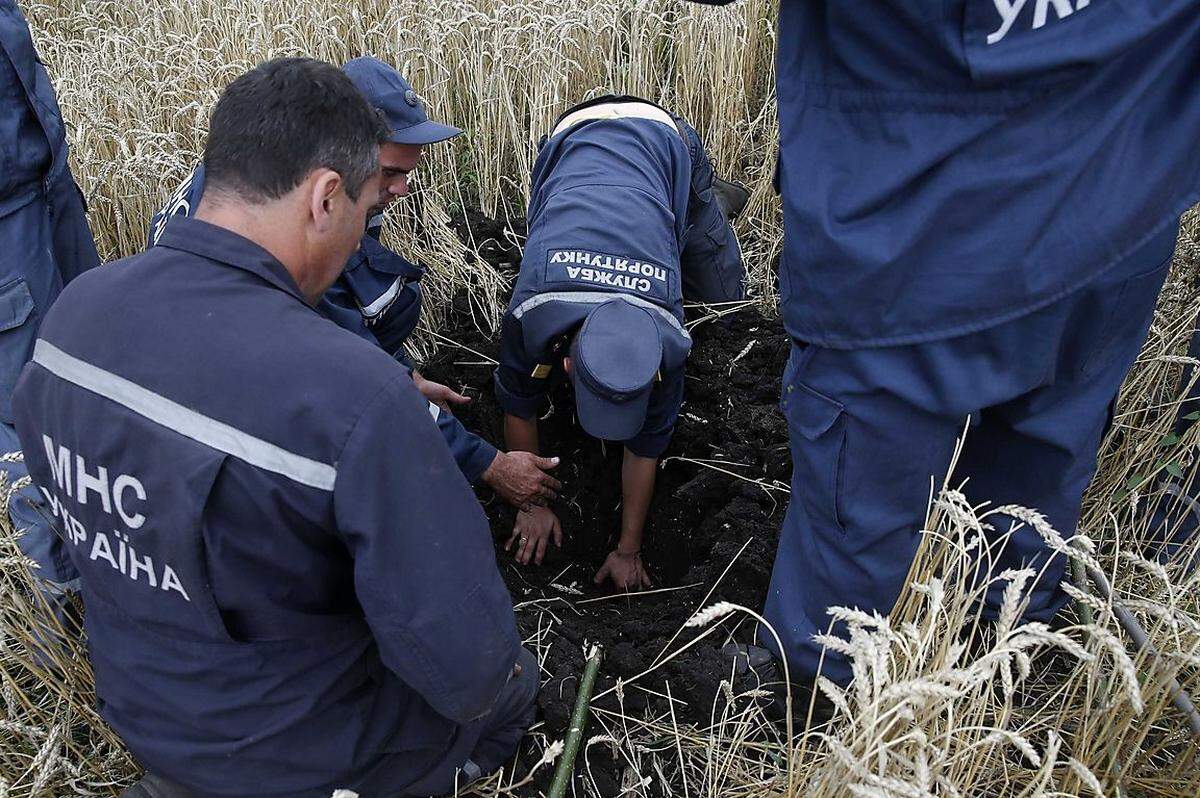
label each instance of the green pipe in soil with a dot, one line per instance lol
(566, 765)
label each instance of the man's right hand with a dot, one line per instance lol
(532, 532)
(521, 479)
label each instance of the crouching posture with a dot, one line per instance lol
(625, 220)
(277, 603)
(378, 294)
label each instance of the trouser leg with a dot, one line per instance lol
(1039, 449)
(864, 456)
(482, 747)
(872, 433)
(55, 577)
(30, 520)
(515, 712)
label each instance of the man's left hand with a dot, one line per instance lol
(625, 570)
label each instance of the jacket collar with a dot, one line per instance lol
(226, 247)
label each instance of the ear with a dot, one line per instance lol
(324, 187)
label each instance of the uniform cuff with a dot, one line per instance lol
(514, 404)
(478, 461)
(651, 446)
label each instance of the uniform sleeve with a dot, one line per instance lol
(518, 391)
(388, 290)
(472, 453)
(74, 247)
(711, 264)
(424, 565)
(661, 415)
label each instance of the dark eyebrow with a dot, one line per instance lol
(395, 170)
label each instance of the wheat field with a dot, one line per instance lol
(925, 716)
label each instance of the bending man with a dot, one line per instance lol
(624, 222)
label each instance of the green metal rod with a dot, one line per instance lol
(566, 765)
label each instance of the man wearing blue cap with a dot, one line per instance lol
(378, 294)
(980, 200)
(625, 219)
(44, 244)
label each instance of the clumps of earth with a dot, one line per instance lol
(710, 533)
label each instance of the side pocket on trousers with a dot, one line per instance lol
(817, 428)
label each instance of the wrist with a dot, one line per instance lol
(627, 551)
(489, 473)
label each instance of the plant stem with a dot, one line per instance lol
(566, 765)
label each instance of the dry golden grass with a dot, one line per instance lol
(925, 716)
(136, 81)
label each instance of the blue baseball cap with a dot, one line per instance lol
(615, 357)
(393, 96)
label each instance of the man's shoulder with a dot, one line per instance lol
(91, 286)
(170, 301)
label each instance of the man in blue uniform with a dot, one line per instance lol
(290, 587)
(980, 200)
(45, 243)
(624, 222)
(378, 295)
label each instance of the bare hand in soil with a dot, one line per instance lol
(532, 533)
(441, 395)
(521, 479)
(625, 570)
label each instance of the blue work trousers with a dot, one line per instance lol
(870, 429)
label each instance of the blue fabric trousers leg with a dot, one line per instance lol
(873, 430)
(30, 519)
(478, 748)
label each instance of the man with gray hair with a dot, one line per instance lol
(276, 603)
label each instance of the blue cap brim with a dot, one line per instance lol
(605, 419)
(427, 132)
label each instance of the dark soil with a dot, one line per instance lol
(699, 521)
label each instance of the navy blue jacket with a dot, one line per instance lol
(376, 297)
(288, 581)
(946, 166)
(44, 238)
(619, 208)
